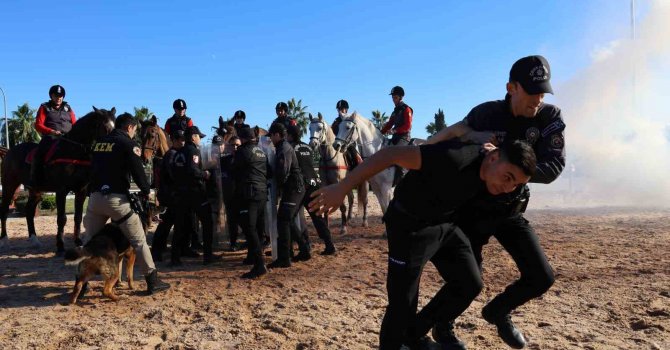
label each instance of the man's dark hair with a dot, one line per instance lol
(295, 132)
(521, 154)
(278, 128)
(124, 120)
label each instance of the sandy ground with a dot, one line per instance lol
(612, 292)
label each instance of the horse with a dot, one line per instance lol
(67, 168)
(355, 129)
(155, 144)
(332, 167)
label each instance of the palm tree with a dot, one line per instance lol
(298, 112)
(439, 124)
(379, 119)
(22, 126)
(142, 113)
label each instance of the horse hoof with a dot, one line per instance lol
(4, 242)
(34, 242)
(343, 231)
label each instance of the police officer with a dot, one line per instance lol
(191, 194)
(240, 117)
(250, 173)
(291, 188)
(116, 157)
(282, 115)
(312, 183)
(352, 156)
(522, 115)
(54, 118)
(420, 222)
(400, 120)
(166, 198)
(228, 189)
(179, 120)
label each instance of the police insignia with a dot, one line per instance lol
(557, 141)
(196, 159)
(532, 134)
(183, 123)
(137, 151)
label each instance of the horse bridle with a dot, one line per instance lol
(322, 143)
(346, 142)
(154, 146)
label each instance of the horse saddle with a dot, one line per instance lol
(30, 157)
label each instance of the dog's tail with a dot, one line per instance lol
(76, 255)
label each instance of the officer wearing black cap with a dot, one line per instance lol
(116, 157)
(190, 178)
(400, 120)
(353, 158)
(179, 120)
(250, 172)
(240, 117)
(54, 118)
(522, 115)
(312, 183)
(282, 115)
(291, 189)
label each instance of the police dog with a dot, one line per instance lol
(102, 255)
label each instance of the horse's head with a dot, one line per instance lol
(317, 131)
(154, 141)
(226, 129)
(346, 134)
(93, 125)
(258, 131)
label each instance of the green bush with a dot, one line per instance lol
(48, 202)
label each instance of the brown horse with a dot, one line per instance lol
(66, 169)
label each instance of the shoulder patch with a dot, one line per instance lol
(532, 134)
(557, 141)
(557, 125)
(137, 151)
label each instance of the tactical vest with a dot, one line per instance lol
(398, 115)
(58, 119)
(178, 123)
(306, 162)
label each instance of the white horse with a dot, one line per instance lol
(368, 140)
(333, 168)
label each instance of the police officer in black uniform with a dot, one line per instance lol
(191, 194)
(228, 189)
(522, 115)
(291, 189)
(282, 115)
(251, 193)
(240, 117)
(116, 157)
(420, 222)
(312, 183)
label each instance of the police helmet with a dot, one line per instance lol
(179, 104)
(397, 90)
(282, 106)
(342, 104)
(240, 114)
(57, 90)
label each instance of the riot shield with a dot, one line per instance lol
(211, 161)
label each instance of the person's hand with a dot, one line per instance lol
(327, 199)
(480, 137)
(56, 132)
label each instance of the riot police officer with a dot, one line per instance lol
(282, 115)
(251, 174)
(240, 117)
(191, 193)
(54, 118)
(179, 120)
(312, 183)
(291, 188)
(116, 157)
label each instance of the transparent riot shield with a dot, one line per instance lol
(271, 208)
(211, 161)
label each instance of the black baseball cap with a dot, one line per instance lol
(193, 130)
(177, 134)
(179, 104)
(246, 133)
(217, 140)
(533, 74)
(397, 90)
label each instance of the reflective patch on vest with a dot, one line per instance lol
(103, 147)
(196, 159)
(557, 141)
(532, 134)
(137, 151)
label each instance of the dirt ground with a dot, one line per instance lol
(612, 291)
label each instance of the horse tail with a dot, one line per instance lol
(76, 255)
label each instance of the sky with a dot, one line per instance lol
(223, 56)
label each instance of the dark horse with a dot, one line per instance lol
(66, 169)
(155, 145)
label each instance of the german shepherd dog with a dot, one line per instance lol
(102, 255)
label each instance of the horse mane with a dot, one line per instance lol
(165, 146)
(357, 117)
(85, 129)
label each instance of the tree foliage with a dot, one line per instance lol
(298, 112)
(439, 124)
(21, 126)
(379, 118)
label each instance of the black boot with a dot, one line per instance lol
(154, 284)
(211, 258)
(257, 271)
(506, 329)
(278, 264)
(302, 256)
(443, 333)
(330, 249)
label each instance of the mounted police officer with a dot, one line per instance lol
(312, 183)
(522, 115)
(282, 115)
(179, 120)
(291, 188)
(54, 118)
(191, 194)
(400, 121)
(352, 156)
(240, 117)
(116, 157)
(251, 193)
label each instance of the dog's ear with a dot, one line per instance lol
(154, 120)
(113, 111)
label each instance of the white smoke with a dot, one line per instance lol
(618, 120)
